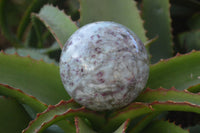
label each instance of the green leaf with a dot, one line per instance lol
(163, 127)
(81, 127)
(22, 97)
(190, 40)
(33, 77)
(63, 110)
(34, 7)
(31, 38)
(57, 22)
(37, 25)
(123, 127)
(161, 94)
(33, 53)
(137, 109)
(121, 11)
(13, 117)
(130, 112)
(181, 71)
(4, 27)
(32, 102)
(194, 21)
(157, 22)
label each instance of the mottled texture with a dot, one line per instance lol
(104, 66)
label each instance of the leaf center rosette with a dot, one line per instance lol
(104, 66)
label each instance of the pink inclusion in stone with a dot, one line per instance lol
(104, 66)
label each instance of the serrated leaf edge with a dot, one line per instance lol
(177, 55)
(48, 26)
(42, 107)
(167, 90)
(28, 56)
(149, 108)
(51, 107)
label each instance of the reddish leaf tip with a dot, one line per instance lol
(16, 54)
(41, 60)
(151, 107)
(178, 54)
(193, 51)
(77, 124)
(28, 56)
(125, 125)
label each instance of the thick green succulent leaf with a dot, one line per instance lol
(49, 117)
(181, 71)
(157, 22)
(22, 97)
(194, 21)
(31, 101)
(161, 94)
(33, 53)
(57, 22)
(123, 127)
(13, 117)
(82, 127)
(163, 127)
(121, 11)
(33, 77)
(190, 40)
(63, 110)
(138, 109)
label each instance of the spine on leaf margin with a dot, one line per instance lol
(62, 111)
(154, 101)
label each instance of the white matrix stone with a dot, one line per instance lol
(104, 66)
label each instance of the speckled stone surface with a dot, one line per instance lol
(104, 66)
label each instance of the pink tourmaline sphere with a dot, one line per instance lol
(104, 66)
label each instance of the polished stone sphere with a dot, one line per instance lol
(104, 66)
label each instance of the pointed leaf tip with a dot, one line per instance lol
(123, 127)
(82, 127)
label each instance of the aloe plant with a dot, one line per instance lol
(33, 98)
